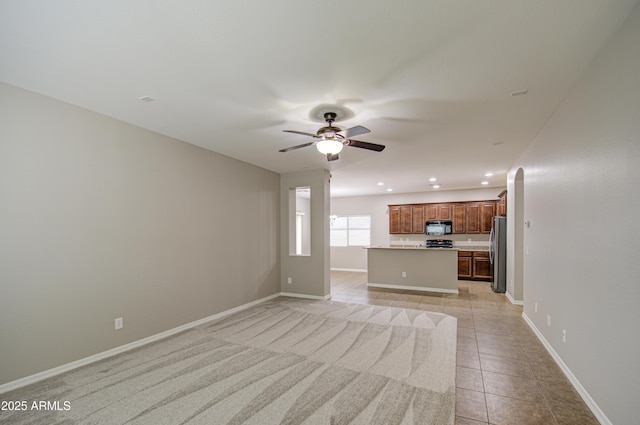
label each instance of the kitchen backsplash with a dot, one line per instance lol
(458, 239)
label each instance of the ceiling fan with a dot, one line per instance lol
(330, 139)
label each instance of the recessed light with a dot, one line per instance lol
(488, 174)
(380, 184)
(389, 190)
(147, 99)
(435, 186)
(484, 183)
(497, 143)
(519, 92)
(432, 179)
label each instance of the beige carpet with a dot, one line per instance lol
(286, 361)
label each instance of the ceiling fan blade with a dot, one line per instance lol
(365, 145)
(332, 157)
(300, 132)
(297, 147)
(355, 131)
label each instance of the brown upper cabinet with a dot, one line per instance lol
(418, 218)
(502, 204)
(487, 212)
(473, 217)
(467, 217)
(394, 219)
(406, 219)
(438, 212)
(401, 219)
(459, 218)
(445, 212)
(480, 216)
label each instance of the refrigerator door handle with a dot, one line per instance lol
(491, 244)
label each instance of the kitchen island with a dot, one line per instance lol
(414, 268)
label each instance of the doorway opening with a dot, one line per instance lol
(518, 222)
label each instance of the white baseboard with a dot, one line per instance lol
(348, 270)
(10, 386)
(595, 409)
(413, 288)
(510, 298)
(311, 297)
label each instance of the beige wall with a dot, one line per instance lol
(309, 273)
(582, 250)
(100, 219)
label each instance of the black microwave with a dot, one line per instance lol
(438, 228)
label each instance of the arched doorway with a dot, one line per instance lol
(518, 227)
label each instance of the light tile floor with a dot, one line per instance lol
(504, 376)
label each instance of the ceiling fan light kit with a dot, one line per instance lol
(331, 140)
(329, 146)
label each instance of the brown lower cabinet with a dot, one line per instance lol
(474, 265)
(465, 265)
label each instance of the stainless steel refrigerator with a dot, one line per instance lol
(498, 253)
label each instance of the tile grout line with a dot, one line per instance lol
(484, 389)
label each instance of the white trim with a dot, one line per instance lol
(348, 270)
(311, 297)
(510, 298)
(413, 288)
(595, 409)
(18, 383)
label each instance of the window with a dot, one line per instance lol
(350, 230)
(299, 217)
(300, 220)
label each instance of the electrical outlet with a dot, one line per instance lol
(119, 323)
(564, 335)
(404, 274)
(535, 307)
(548, 320)
(289, 280)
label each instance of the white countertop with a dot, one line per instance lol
(473, 248)
(419, 248)
(422, 247)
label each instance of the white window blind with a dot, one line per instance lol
(350, 230)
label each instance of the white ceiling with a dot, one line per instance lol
(431, 79)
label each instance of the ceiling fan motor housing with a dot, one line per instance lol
(329, 132)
